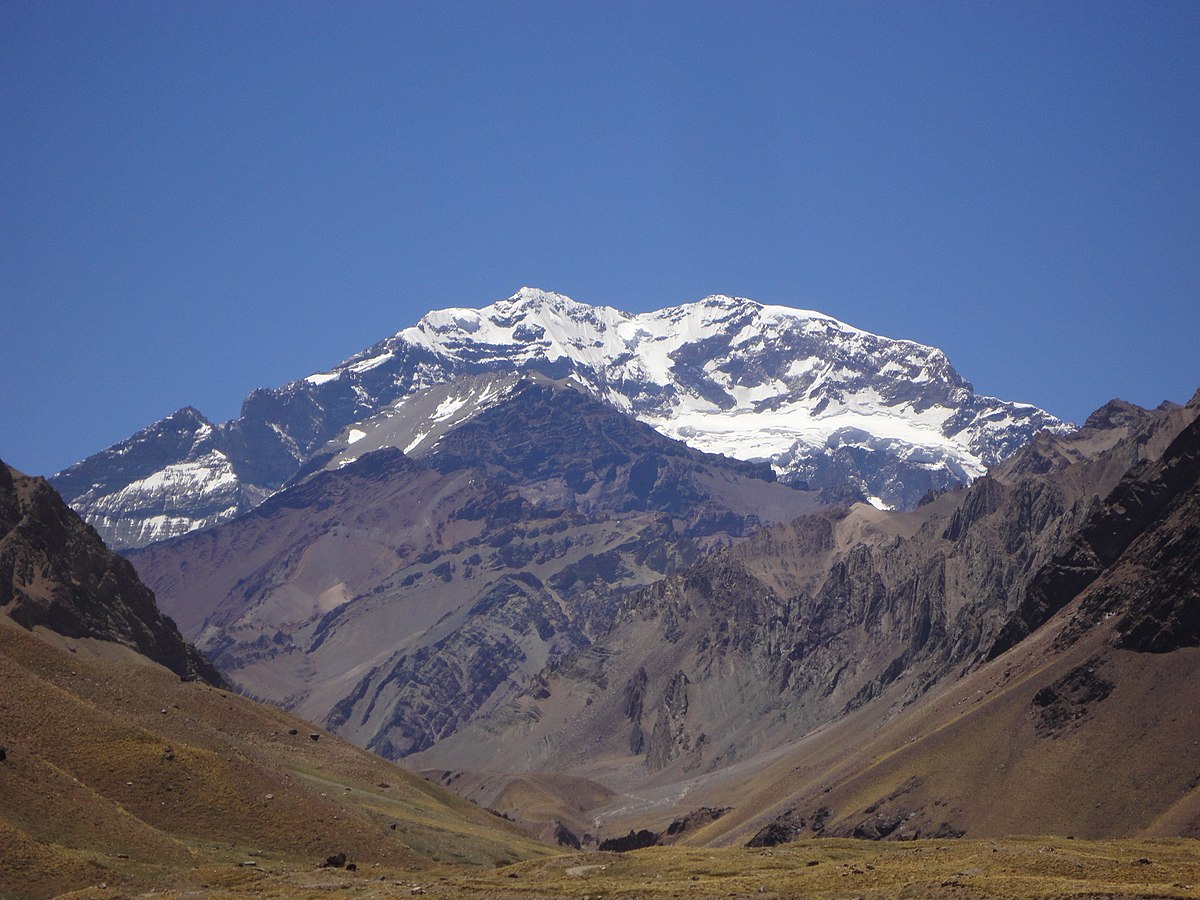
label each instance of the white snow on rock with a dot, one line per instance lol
(733, 376)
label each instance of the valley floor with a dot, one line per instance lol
(1013, 867)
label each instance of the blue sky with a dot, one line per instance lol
(197, 199)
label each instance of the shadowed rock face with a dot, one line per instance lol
(56, 572)
(1138, 556)
(1153, 585)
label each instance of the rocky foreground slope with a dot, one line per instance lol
(827, 404)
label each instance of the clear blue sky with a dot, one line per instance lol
(200, 198)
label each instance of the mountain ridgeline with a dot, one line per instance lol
(828, 405)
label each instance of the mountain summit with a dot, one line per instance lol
(825, 403)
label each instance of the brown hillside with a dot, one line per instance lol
(116, 771)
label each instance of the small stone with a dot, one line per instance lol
(248, 863)
(314, 736)
(270, 796)
(351, 867)
(293, 731)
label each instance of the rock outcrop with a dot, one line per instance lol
(56, 572)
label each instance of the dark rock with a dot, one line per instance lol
(314, 736)
(669, 738)
(336, 861)
(880, 825)
(1154, 514)
(635, 840)
(782, 830)
(696, 819)
(1068, 699)
(565, 837)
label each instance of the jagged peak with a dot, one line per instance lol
(1115, 413)
(728, 300)
(534, 295)
(535, 300)
(187, 414)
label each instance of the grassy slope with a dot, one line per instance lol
(996, 870)
(118, 772)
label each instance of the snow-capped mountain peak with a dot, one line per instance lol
(825, 402)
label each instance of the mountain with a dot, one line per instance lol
(396, 597)
(126, 767)
(826, 404)
(790, 672)
(117, 777)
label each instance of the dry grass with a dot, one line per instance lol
(118, 773)
(1010, 868)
